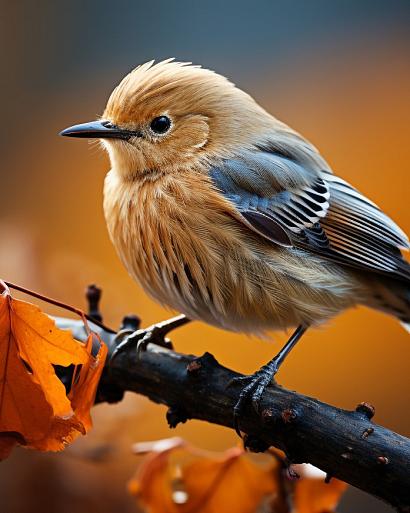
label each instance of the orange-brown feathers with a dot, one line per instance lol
(177, 234)
(181, 241)
(210, 117)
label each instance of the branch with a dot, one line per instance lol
(344, 444)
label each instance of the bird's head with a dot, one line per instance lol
(167, 115)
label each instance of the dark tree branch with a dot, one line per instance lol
(344, 444)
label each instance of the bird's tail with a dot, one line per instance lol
(392, 296)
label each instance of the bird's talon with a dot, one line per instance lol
(141, 338)
(141, 346)
(254, 387)
(152, 335)
(125, 342)
(257, 396)
(235, 381)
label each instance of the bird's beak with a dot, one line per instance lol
(99, 130)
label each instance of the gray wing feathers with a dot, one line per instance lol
(261, 173)
(293, 205)
(351, 208)
(275, 188)
(361, 233)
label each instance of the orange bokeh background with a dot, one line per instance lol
(351, 100)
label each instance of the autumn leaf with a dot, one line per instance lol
(83, 390)
(176, 477)
(34, 408)
(312, 494)
(207, 484)
(232, 480)
(153, 484)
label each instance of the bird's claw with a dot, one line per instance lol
(152, 335)
(141, 338)
(253, 389)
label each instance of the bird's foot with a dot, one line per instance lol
(141, 338)
(253, 389)
(155, 334)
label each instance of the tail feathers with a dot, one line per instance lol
(393, 297)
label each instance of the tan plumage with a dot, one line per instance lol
(232, 217)
(234, 280)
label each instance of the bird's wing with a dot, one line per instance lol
(290, 205)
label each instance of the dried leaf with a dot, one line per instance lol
(153, 484)
(313, 495)
(34, 408)
(207, 484)
(84, 388)
(232, 481)
(176, 477)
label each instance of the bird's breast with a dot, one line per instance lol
(180, 240)
(172, 236)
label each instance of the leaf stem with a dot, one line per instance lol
(60, 304)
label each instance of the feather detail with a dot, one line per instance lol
(182, 241)
(233, 218)
(360, 234)
(321, 213)
(256, 186)
(354, 209)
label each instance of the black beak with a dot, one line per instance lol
(99, 130)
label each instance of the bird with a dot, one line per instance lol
(224, 213)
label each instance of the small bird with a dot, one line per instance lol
(224, 213)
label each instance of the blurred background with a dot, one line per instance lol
(336, 71)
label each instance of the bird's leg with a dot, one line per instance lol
(155, 334)
(256, 383)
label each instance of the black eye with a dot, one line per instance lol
(160, 125)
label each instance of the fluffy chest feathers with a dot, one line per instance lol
(180, 240)
(171, 235)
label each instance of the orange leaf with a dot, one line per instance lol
(313, 495)
(152, 486)
(84, 388)
(234, 480)
(205, 485)
(175, 477)
(34, 408)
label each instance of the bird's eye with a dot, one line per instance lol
(160, 125)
